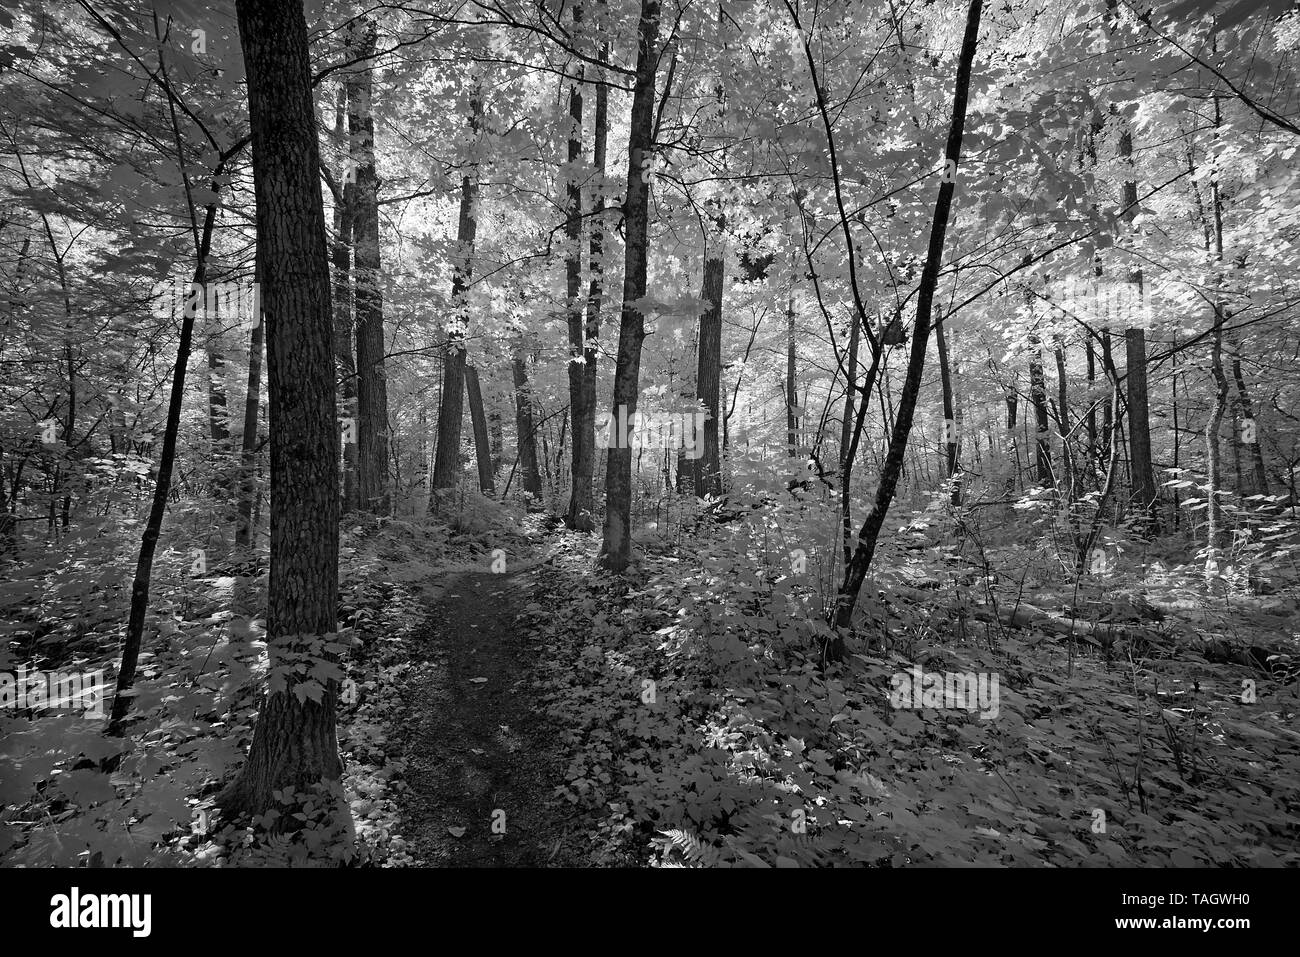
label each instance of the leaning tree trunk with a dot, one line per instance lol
(1214, 479)
(294, 746)
(451, 405)
(616, 546)
(482, 445)
(856, 572)
(252, 404)
(372, 388)
(162, 486)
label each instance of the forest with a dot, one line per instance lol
(649, 433)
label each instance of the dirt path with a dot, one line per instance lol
(477, 745)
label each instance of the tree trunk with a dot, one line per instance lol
(582, 401)
(616, 545)
(248, 444)
(791, 393)
(855, 573)
(294, 743)
(1038, 397)
(162, 485)
(949, 437)
(525, 430)
(1251, 429)
(451, 408)
(707, 467)
(482, 450)
(343, 329)
(372, 388)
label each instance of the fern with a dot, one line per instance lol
(693, 850)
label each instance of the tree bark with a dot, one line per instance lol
(482, 448)
(525, 430)
(294, 743)
(856, 571)
(343, 327)
(707, 467)
(616, 545)
(248, 443)
(582, 393)
(373, 494)
(451, 408)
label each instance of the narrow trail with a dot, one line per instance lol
(478, 746)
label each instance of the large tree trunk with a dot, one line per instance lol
(372, 388)
(616, 546)
(343, 329)
(451, 406)
(707, 467)
(294, 743)
(482, 447)
(855, 573)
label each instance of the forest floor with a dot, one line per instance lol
(482, 757)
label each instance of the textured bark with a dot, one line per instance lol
(582, 504)
(707, 468)
(616, 546)
(856, 571)
(482, 448)
(1215, 538)
(1259, 478)
(344, 359)
(582, 399)
(372, 388)
(1141, 476)
(451, 406)
(294, 743)
(525, 430)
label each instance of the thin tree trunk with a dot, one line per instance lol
(372, 388)
(248, 443)
(343, 329)
(855, 573)
(707, 466)
(582, 401)
(1251, 427)
(162, 485)
(949, 417)
(616, 546)
(525, 431)
(451, 408)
